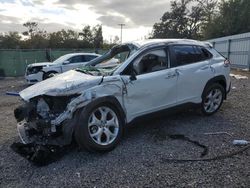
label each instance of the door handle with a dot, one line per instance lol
(205, 67)
(171, 75)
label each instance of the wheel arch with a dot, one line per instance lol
(218, 79)
(110, 100)
(79, 132)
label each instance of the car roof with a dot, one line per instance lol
(82, 53)
(156, 42)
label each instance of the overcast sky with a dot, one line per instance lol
(54, 15)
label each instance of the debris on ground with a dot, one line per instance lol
(185, 138)
(240, 142)
(238, 76)
(12, 93)
(39, 155)
(218, 157)
(205, 149)
(218, 133)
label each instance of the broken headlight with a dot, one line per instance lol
(34, 70)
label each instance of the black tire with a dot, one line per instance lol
(205, 99)
(82, 131)
(50, 74)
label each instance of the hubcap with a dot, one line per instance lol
(213, 100)
(103, 125)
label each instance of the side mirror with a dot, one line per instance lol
(66, 62)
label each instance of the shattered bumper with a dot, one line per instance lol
(49, 120)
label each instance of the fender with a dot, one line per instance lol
(218, 79)
(93, 94)
(68, 126)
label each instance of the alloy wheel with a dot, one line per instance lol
(213, 100)
(103, 125)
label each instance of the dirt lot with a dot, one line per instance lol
(141, 158)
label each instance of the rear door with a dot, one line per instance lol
(192, 64)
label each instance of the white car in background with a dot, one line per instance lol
(37, 72)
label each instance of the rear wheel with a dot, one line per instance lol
(100, 127)
(212, 99)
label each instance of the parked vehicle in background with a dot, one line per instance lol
(40, 71)
(94, 104)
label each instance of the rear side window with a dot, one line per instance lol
(184, 54)
(89, 57)
(202, 53)
(76, 59)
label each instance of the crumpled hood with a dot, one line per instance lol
(40, 64)
(68, 83)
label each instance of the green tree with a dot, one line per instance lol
(70, 38)
(32, 29)
(186, 19)
(86, 34)
(97, 37)
(55, 40)
(37, 38)
(231, 18)
(10, 40)
(63, 39)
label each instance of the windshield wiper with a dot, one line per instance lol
(82, 71)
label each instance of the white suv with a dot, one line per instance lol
(37, 72)
(94, 104)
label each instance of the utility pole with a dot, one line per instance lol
(121, 30)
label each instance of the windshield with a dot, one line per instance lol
(110, 61)
(62, 58)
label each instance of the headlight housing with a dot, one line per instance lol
(34, 70)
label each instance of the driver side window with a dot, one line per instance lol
(76, 59)
(151, 61)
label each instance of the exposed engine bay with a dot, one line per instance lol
(35, 117)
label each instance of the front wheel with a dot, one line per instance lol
(100, 127)
(212, 99)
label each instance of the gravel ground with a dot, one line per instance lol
(141, 158)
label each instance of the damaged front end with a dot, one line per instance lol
(35, 120)
(48, 114)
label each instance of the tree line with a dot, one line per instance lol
(35, 38)
(193, 19)
(203, 19)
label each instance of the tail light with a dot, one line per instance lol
(227, 62)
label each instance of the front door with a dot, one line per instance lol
(73, 63)
(155, 85)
